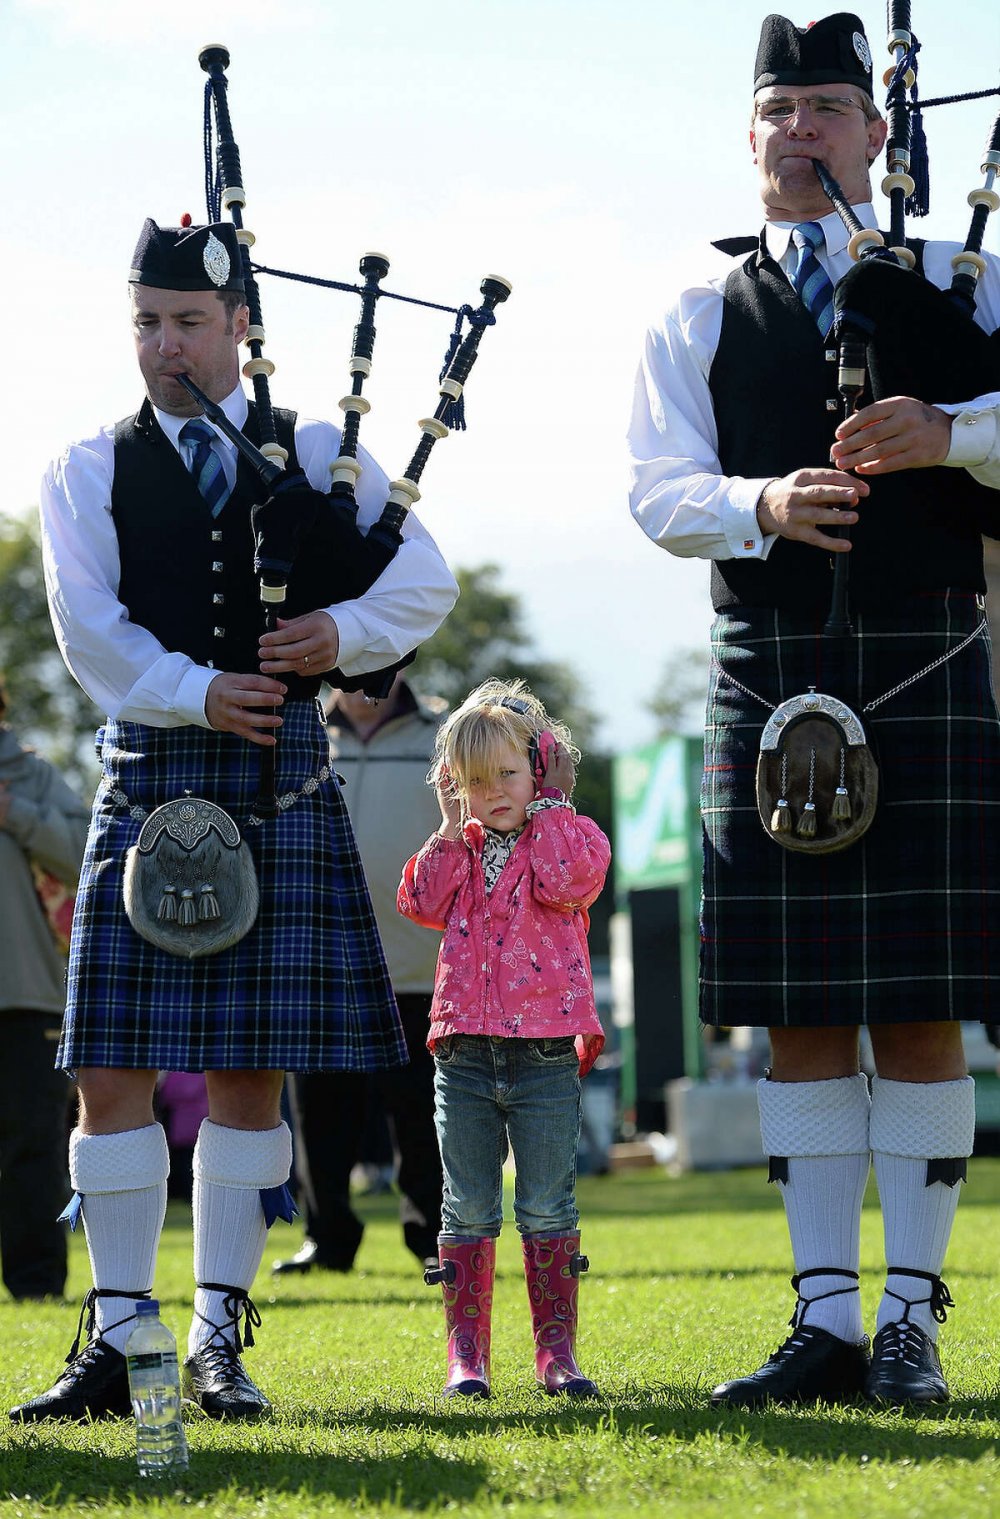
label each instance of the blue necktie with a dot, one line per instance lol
(206, 466)
(809, 279)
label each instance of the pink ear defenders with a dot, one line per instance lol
(540, 748)
(540, 751)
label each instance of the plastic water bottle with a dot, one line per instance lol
(154, 1385)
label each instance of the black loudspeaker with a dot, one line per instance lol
(657, 982)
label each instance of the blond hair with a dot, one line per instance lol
(498, 715)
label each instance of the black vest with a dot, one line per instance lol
(770, 382)
(189, 577)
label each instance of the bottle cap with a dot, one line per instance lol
(146, 1305)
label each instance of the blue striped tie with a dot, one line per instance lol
(206, 466)
(809, 279)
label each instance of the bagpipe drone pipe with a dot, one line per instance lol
(309, 545)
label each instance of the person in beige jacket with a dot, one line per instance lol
(383, 751)
(43, 826)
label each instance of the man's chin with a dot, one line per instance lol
(169, 395)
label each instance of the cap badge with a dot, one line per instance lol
(216, 260)
(862, 50)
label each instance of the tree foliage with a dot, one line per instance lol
(485, 636)
(45, 705)
(678, 699)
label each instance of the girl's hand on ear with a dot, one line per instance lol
(451, 807)
(560, 771)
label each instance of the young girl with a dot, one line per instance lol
(509, 877)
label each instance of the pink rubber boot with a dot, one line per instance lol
(552, 1268)
(466, 1277)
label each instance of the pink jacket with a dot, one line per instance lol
(513, 964)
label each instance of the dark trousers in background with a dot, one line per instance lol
(328, 1113)
(34, 1180)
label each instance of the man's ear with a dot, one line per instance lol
(241, 323)
(877, 131)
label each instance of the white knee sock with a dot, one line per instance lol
(821, 1129)
(230, 1168)
(122, 1179)
(913, 1123)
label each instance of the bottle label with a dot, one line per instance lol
(154, 1360)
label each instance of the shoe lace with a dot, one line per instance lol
(794, 1342)
(81, 1363)
(803, 1304)
(236, 1304)
(901, 1342)
(939, 1298)
(88, 1312)
(222, 1359)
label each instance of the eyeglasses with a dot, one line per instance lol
(780, 108)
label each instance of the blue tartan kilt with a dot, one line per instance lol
(307, 989)
(904, 925)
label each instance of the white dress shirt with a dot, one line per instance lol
(122, 667)
(679, 495)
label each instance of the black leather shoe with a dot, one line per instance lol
(218, 1382)
(305, 1258)
(811, 1366)
(94, 1385)
(905, 1367)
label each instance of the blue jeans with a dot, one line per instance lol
(493, 1096)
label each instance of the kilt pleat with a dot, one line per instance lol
(306, 989)
(904, 925)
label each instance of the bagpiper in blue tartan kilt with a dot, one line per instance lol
(903, 925)
(306, 989)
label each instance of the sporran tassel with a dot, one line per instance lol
(187, 913)
(840, 812)
(781, 817)
(806, 825)
(167, 910)
(841, 808)
(208, 905)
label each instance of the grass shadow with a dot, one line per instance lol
(408, 1479)
(856, 1433)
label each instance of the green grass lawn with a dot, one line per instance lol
(689, 1284)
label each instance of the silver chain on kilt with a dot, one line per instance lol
(876, 701)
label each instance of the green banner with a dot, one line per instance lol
(655, 807)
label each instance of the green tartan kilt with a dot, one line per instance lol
(904, 925)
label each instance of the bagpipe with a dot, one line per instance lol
(342, 561)
(896, 334)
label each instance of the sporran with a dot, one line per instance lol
(817, 780)
(190, 885)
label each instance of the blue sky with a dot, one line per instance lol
(581, 149)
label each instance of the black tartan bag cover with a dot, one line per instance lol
(190, 885)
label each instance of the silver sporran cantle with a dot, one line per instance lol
(190, 884)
